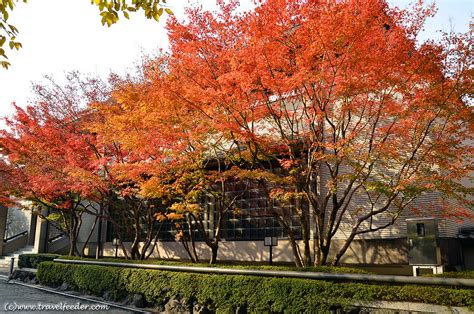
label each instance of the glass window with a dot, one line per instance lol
(420, 229)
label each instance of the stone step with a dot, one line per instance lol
(5, 260)
(10, 256)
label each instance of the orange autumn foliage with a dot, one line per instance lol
(325, 105)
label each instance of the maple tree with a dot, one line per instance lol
(121, 135)
(48, 158)
(343, 97)
(5, 182)
(167, 160)
(112, 197)
(49, 164)
(330, 109)
(204, 193)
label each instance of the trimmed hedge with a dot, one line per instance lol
(323, 269)
(224, 293)
(33, 260)
(466, 274)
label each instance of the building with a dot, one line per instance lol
(443, 242)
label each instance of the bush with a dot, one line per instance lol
(33, 260)
(466, 274)
(224, 293)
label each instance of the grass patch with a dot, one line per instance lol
(325, 269)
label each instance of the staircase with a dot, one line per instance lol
(5, 260)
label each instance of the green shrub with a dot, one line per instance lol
(224, 293)
(33, 260)
(466, 274)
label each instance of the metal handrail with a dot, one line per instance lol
(289, 274)
(15, 236)
(56, 237)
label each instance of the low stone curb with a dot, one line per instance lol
(411, 307)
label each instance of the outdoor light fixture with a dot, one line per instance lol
(116, 242)
(271, 242)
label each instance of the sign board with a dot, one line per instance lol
(271, 241)
(423, 246)
(116, 242)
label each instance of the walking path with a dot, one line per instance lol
(17, 298)
(4, 270)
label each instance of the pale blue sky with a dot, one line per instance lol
(60, 36)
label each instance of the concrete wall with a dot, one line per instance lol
(41, 235)
(374, 251)
(3, 225)
(251, 251)
(87, 223)
(18, 220)
(15, 244)
(389, 252)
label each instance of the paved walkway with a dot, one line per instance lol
(15, 299)
(4, 270)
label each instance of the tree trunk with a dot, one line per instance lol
(193, 240)
(305, 234)
(303, 213)
(122, 246)
(148, 240)
(295, 249)
(214, 249)
(343, 250)
(134, 251)
(72, 246)
(321, 250)
(185, 244)
(73, 251)
(73, 236)
(307, 251)
(324, 253)
(155, 239)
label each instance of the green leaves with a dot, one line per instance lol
(110, 9)
(14, 45)
(109, 18)
(157, 15)
(109, 12)
(8, 32)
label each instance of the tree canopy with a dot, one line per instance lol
(330, 111)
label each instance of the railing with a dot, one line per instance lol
(15, 236)
(15, 242)
(58, 243)
(56, 237)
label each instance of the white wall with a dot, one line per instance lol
(18, 220)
